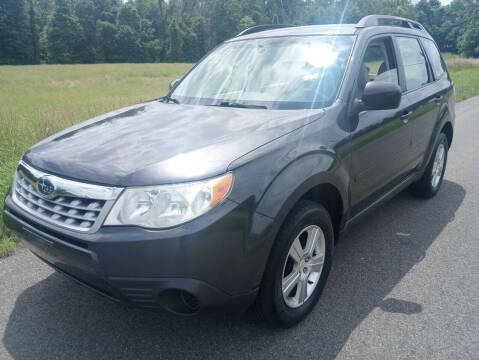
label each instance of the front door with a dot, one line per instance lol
(381, 142)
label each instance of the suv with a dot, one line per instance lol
(234, 187)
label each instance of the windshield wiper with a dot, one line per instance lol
(168, 99)
(238, 105)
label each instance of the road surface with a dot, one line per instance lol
(404, 284)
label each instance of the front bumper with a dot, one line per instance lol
(215, 261)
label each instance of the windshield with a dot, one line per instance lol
(273, 73)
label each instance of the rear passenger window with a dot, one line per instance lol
(434, 57)
(414, 62)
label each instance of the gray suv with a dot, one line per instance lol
(234, 188)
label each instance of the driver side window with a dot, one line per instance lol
(379, 63)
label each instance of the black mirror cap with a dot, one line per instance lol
(379, 95)
(174, 83)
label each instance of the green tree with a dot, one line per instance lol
(16, 45)
(129, 48)
(227, 16)
(107, 41)
(245, 23)
(190, 52)
(64, 36)
(128, 16)
(176, 37)
(136, 37)
(150, 45)
(43, 9)
(469, 42)
(129, 34)
(202, 32)
(255, 10)
(184, 30)
(107, 10)
(87, 17)
(33, 23)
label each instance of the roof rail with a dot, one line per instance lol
(374, 20)
(260, 28)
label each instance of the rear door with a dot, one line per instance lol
(381, 142)
(443, 88)
(422, 93)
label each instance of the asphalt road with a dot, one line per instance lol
(405, 284)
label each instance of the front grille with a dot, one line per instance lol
(72, 211)
(66, 209)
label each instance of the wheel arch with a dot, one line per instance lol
(319, 189)
(329, 197)
(445, 126)
(325, 193)
(318, 176)
(448, 130)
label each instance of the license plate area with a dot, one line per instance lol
(39, 244)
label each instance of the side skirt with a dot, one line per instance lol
(381, 200)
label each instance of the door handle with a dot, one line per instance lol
(438, 99)
(405, 116)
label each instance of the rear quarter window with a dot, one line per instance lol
(437, 65)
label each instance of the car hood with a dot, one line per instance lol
(157, 143)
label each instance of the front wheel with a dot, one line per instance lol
(298, 266)
(431, 181)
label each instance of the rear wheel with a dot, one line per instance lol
(298, 266)
(431, 181)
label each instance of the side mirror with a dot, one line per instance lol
(378, 95)
(174, 83)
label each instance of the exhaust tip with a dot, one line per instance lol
(191, 301)
(179, 302)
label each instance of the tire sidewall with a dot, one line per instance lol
(314, 215)
(442, 140)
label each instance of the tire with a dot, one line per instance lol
(300, 227)
(431, 180)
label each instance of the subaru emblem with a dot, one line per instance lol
(45, 187)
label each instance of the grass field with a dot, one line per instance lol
(465, 74)
(37, 101)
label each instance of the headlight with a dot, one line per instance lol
(168, 205)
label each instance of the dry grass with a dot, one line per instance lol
(457, 63)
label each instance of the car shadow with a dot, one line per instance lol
(56, 318)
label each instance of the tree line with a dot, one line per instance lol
(97, 31)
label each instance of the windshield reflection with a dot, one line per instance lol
(273, 73)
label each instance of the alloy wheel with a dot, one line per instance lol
(438, 165)
(303, 266)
